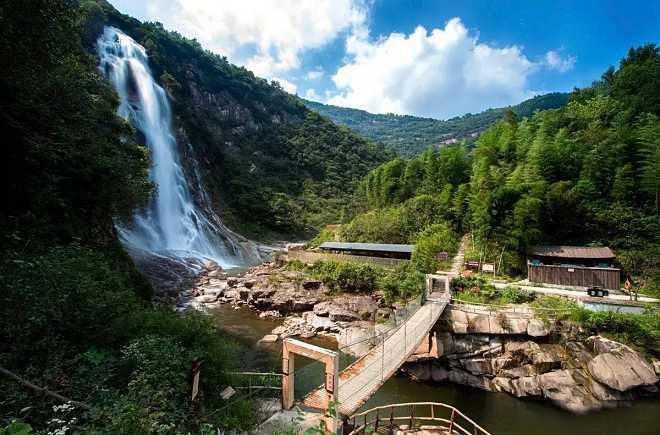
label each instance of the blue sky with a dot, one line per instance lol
(426, 58)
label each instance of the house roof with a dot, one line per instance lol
(572, 252)
(374, 247)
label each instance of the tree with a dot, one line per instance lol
(434, 239)
(649, 136)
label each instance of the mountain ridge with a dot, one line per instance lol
(409, 135)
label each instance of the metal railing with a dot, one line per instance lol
(440, 415)
(256, 382)
(511, 308)
(388, 349)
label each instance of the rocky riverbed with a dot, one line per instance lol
(306, 305)
(513, 352)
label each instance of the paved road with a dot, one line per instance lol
(575, 294)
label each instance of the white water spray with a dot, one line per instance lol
(174, 224)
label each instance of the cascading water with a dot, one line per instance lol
(174, 224)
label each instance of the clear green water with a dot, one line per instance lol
(499, 413)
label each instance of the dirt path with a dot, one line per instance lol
(459, 258)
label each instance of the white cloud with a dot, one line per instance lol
(286, 85)
(553, 60)
(315, 74)
(267, 36)
(312, 95)
(441, 73)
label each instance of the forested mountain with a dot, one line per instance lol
(271, 164)
(588, 173)
(410, 135)
(76, 317)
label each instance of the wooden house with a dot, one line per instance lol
(573, 266)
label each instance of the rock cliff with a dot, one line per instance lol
(528, 357)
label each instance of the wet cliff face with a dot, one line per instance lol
(271, 166)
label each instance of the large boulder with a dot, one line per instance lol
(560, 387)
(619, 367)
(537, 328)
(319, 323)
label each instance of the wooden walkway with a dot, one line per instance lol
(359, 381)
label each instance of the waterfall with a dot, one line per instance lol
(175, 223)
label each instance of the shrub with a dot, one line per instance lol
(295, 265)
(344, 276)
(401, 283)
(433, 239)
(512, 295)
(325, 235)
(639, 330)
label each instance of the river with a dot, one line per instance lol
(498, 413)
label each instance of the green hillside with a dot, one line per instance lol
(410, 135)
(585, 174)
(272, 166)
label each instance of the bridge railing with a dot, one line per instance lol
(261, 383)
(387, 350)
(413, 415)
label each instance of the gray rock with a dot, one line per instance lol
(464, 378)
(319, 323)
(232, 294)
(478, 366)
(419, 371)
(619, 367)
(519, 387)
(544, 361)
(560, 387)
(311, 285)
(243, 293)
(341, 315)
(537, 328)
(515, 325)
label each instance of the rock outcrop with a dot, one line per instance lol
(544, 360)
(618, 366)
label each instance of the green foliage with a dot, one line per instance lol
(432, 240)
(326, 235)
(271, 166)
(16, 427)
(639, 330)
(69, 158)
(474, 289)
(82, 331)
(649, 136)
(586, 174)
(401, 284)
(397, 224)
(410, 135)
(345, 276)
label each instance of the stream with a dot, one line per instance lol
(498, 413)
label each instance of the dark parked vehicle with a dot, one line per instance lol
(598, 292)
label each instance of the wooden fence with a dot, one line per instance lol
(609, 278)
(311, 257)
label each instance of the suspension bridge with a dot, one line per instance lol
(361, 379)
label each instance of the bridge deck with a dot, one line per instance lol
(359, 381)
